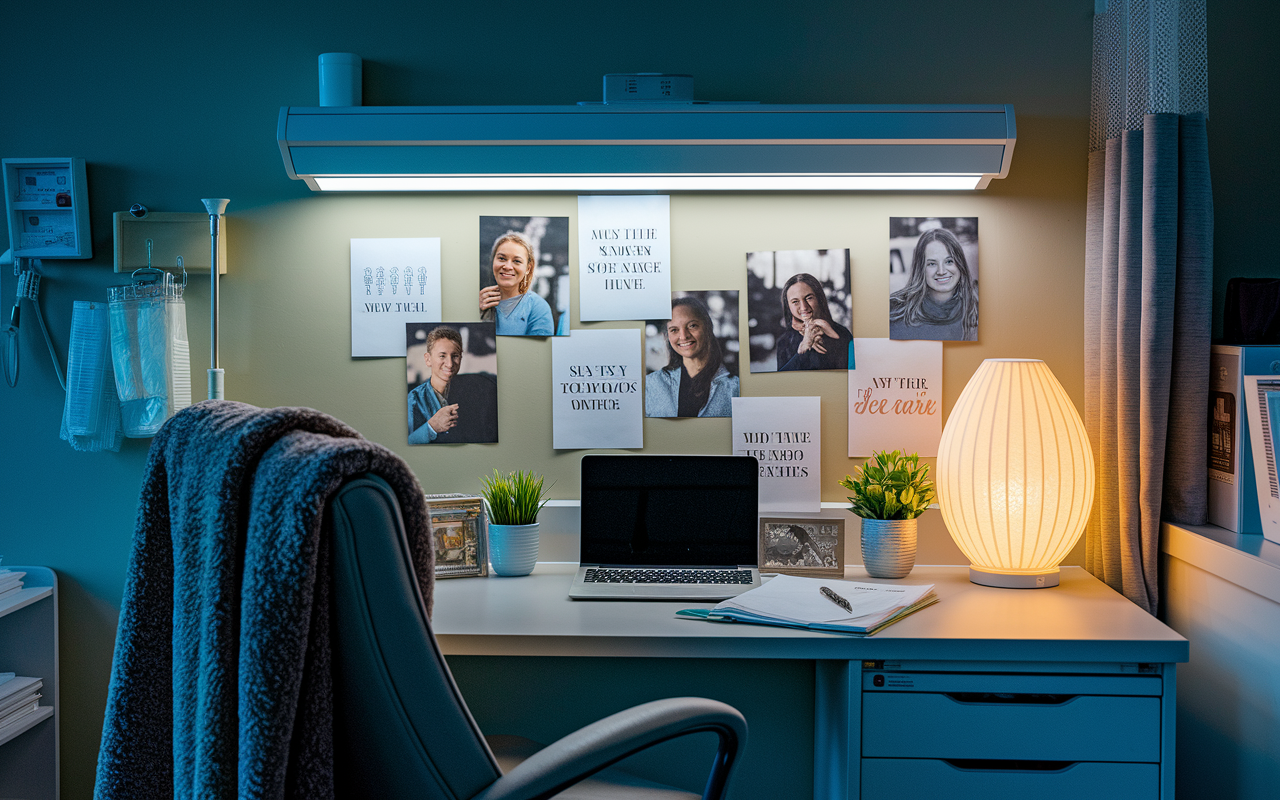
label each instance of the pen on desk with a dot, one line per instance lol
(835, 598)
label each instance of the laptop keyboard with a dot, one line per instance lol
(684, 576)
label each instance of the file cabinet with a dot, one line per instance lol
(933, 731)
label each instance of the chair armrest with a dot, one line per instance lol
(606, 742)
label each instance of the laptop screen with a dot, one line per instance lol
(691, 511)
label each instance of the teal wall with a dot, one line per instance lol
(169, 103)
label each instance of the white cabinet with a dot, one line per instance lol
(29, 647)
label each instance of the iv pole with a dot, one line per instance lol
(215, 207)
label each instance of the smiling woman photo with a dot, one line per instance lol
(812, 340)
(695, 381)
(940, 300)
(509, 301)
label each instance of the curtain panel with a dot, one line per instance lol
(1148, 285)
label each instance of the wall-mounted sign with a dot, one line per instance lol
(624, 257)
(393, 282)
(595, 390)
(785, 436)
(895, 397)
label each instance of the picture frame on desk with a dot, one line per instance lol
(811, 547)
(459, 533)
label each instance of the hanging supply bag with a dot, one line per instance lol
(149, 351)
(91, 415)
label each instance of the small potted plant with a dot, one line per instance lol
(513, 502)
(889, 492)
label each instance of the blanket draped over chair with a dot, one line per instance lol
(220, 684)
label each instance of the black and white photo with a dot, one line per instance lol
(933, 278)
(691, 359)
(453, 382)
(524, 275)
(811, 547)
(799, 309)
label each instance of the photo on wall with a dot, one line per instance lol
(799, 310)
(453, 382)
(691, 360)
(524, 275)
(933, 278)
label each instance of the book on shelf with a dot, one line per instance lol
(19, 698)
(10, 580)
(849, 607)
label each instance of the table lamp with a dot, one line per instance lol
(1014, 474)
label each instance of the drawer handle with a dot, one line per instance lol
(1011, 699)
(1007, 765)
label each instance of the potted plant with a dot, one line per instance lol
(889, 492)
(513, 502)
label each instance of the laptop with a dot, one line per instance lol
(667, 527)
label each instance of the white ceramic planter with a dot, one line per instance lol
(513, 549)
(888, 547)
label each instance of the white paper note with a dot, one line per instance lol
(596, 396)
(785, 436)
(895, 397)
(624, 257)
(393, 281)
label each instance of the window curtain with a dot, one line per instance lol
(1148, 285)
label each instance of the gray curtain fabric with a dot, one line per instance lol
(1148, 290)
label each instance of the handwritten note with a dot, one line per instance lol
(596, 397)
(785, 435)
(895, 397)
(624, 257)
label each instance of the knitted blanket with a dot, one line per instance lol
(220, 684)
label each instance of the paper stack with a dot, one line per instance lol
(793, 602)
(10, 582)
(19, 698)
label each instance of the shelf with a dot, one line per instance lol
(41, 714)
(24, 598)
(1246, 559)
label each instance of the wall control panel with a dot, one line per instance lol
(46, 203)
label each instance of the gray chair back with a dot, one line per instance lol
(401, 728)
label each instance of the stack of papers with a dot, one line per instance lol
(10, 582)
(793, 602)
(19, 698)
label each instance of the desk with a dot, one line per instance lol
(1077, 640)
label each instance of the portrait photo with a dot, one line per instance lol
(799, 310)
(453, 382)
(691, 359)
(524, 275)
(933, 278)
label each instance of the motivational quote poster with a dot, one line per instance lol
(624, 257)
(895, 397)
(393, 281)
(784, 435)
(596, 393)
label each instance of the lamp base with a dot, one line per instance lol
(1006, 580)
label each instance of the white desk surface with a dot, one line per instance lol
(1082, 620)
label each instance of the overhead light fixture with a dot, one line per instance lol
(640, 140)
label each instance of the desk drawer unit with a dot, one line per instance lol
(1001, 735)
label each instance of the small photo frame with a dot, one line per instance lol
(459, 531)
(810, 547)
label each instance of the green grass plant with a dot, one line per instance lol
(514, 498)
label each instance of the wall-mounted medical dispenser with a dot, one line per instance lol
(46, 203)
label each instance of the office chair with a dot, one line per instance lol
(401, 727)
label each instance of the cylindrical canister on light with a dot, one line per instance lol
(340, 79)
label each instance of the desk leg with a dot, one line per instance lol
(837, 735)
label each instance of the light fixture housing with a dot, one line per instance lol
(648, 147)
(1015, 474)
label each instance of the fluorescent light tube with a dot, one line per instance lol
(646, 183)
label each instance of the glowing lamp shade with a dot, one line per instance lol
(1014, 474)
